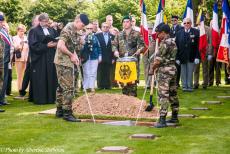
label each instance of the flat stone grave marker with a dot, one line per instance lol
(143, 136)
(21, 98)
(172, 124)
(120, 123)
(200, 108)
(116, 149)
(223, 97)
(50, 111)
(187, 116)
(211, 102)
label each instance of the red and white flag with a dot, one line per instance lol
(215, 28)
(203, 42)
(144, 23)
(159, 16)
(223, 52)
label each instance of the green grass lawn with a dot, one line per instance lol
(21, 128)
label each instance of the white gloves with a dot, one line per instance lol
(178, 62)
(197, 61)
(116, 54)
(209, 57)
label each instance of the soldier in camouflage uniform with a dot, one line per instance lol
(166, 76)
(128, 43)
(66, 60)
(1, 65)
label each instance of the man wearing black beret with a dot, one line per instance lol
(66, 60)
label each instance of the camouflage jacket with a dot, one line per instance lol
(1, 52)
(128, 45)
(166, 55)
(72, 40)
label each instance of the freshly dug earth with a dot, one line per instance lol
(112, 105)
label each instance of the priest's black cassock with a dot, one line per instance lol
(43, 71)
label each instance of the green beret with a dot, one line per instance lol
(127, 17)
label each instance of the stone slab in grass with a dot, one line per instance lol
(211, 102)
(227, 97)
(120, 123)
(200, 108)
(186, 116)
(172, 124)
(50, 111)
(21, 98)
(115, 149)
(143, 136)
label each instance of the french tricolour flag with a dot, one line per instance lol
(215, 27)
(223, 51)
(144, 24)
(203, 42)
(189, 12)
(159, 16)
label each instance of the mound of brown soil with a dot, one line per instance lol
(112, 105)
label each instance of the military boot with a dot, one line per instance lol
(68, 116)
(174, 118)
(161, 123)
(59, 112)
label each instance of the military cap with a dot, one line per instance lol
(127, 17)
(2, 18)
(174, 16)
(164, 28)
(158, 27)
(84, 19)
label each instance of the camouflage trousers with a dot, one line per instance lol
(67, 81)
(167, 93)
(130, 89)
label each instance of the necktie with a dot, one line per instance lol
(106, 38)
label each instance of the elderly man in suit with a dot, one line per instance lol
(207, 56)
(104, 68)
(187, 41)
(174, 29)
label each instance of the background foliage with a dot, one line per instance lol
(22, 11)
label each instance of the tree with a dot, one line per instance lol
(58, 10)
(12, 9)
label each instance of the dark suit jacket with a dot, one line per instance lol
(173, 30)
(106, 50)
(188, 47)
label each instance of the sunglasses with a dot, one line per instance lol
(89, 28)
(186, 23)
(173, 20)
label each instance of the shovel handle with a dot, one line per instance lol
(152, 84)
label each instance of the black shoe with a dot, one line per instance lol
(195, 87)
(22, 93)
(68, 116)
(204, 87)
(161, 123)
(174, 118)
(210, 84)
(1, 110)
(4, 103)
(59, 112)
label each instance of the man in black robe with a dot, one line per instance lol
(42, 49)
